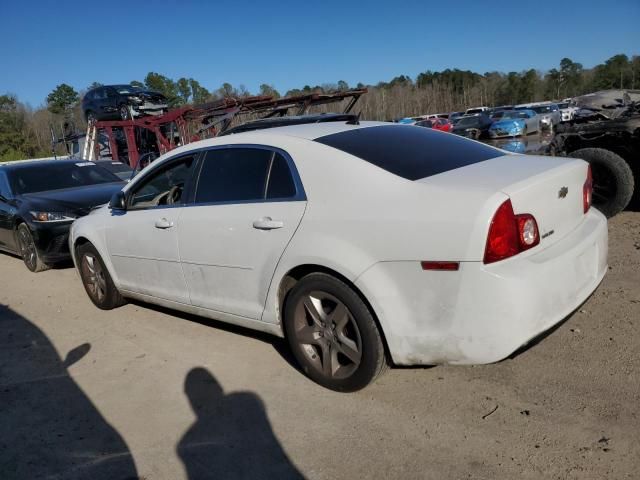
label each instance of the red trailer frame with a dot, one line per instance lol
(197, 122)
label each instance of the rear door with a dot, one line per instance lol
(248, 204)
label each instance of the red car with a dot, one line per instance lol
(441, 124)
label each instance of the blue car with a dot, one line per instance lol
(514, 123)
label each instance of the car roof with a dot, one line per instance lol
(312, 131)
(273, 122)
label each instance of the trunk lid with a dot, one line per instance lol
(549, 188)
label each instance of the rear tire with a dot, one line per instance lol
(28, 251)
(123, 110)
(96, 279)
(613, 181)
(332, 334)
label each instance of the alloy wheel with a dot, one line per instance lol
(93, 276)
(328, 335)
(28, 249)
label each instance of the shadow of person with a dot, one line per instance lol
(231, 437)
(48, 427)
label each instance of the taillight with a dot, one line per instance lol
(587, 191)
(510, 234)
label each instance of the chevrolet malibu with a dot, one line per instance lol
(361, 244)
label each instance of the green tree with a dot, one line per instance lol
(571, 73)
(62, 99)
(269, 90)
(17, 140)
(184, 89)
(342, 85)
(94, 85)
(199, 94)
(164, 85)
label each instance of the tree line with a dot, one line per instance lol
(25, 132)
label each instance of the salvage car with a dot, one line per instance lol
(548, 114)
(513, 123)
(607, 135)
(357, 242)
(122, 102)
(473, 126)
(441, 124)
(38, 201)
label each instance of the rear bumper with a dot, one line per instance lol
(483, 313)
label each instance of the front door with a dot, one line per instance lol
(248, 204)
(7, 215)
(143, 240)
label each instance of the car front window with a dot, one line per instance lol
(165, 186)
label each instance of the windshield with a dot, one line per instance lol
(57, 176)
(542, 109)
(515, 114)
(125, 89)
(468, 121)
(563, 105)
(475, 110)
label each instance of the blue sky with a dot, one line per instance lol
(293, 43)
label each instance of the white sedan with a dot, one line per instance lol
(360, 244)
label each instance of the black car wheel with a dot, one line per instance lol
(96, 279)
(613, 181)
(28, 250)
(124, 112)
(332, 334)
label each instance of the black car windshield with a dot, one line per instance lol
(469, 121)
(125, 89)
(34, 178)
(410, 152)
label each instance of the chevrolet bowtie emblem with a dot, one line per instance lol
(563, 192)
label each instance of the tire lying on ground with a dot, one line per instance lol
(613, 181)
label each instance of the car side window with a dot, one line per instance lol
(244, 175)
(165, 186)
(4, 186)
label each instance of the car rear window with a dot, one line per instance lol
(410, 152)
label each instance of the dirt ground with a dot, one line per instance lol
(141, 392)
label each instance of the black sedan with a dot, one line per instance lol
(473, 126)
(121, 102)
(39, 199)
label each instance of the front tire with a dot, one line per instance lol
(28, 251)
(124, 112)
(613, 182)
(332, 334)
(96, 279)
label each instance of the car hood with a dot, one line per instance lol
(79, 200)
(509, 122)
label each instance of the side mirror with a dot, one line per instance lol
(118, 201)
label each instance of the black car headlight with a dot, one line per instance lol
(52, 217)
(136, 100)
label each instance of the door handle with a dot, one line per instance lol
(163, 224)
(267, 223)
